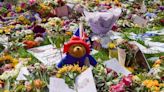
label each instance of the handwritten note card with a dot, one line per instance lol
(114, 65)
(58, 85)
(84, 83)
(48, 55)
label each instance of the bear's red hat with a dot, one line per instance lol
(76, 40)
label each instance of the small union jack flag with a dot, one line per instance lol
(83, 35)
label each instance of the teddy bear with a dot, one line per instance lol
(77, 52)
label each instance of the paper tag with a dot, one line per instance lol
(143, 7)
(114, 65)
(121, 56)
(58, 85)
(48, 55)
(62, 11)
(23, 71)
(140, 21)
(85, 82)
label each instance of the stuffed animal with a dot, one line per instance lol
(77, 52)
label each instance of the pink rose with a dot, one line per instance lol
(32, 1)
(117, 88)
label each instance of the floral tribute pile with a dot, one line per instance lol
(130, 31)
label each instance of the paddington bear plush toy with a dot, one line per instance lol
(77, 52)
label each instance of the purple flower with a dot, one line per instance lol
(8, 6)
(117, 88)
(161, 8)
(39, 29)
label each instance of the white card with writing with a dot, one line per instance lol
(23, 71)
(58, 85)
(48, 55)
(114, 65)
(85, 82)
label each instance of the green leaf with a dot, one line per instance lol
(19, 88)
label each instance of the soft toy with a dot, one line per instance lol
(77, 52)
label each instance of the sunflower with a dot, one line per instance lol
(70, 68)
(9, 58)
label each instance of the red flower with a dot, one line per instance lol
(162, 21)
(115, 27)
(127, 80)
(108, 70)
(117, 88)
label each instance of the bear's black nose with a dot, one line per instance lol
(78, 48)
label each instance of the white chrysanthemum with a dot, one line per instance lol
(27, 31)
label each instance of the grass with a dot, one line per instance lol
(154, 55)
(102, 54)
(135, 30)
(158, 38)
(22, 53)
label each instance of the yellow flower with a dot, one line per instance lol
(62, 70)
(7, 30)
(43, 6)
(158, 62)
(9, 14)
(12, 60)
(145, 82)
(1, 31)
(131, 69)
(73, 69)
(11, 26)
(135, 78)
(151, 83)
(68, 33)
(155, 89)
(70, 67)
(161, 84)
(156, 83)
(84, 68)
(7, 57)
(6, 91)
(44, 19)
(58, 75)
(111, 45)
(78, 69)
(29, 37)
(156, 65)
(18, 9)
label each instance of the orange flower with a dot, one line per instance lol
(30, 44)
(28, 87)
(38, 83)
(158, 62)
